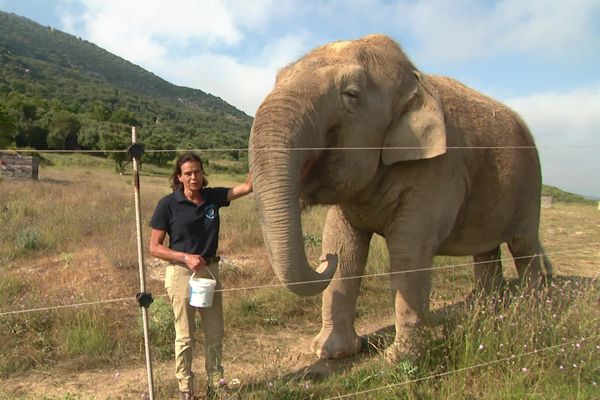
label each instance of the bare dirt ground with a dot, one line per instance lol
(574, 248)
(259, 359)
(131, 382)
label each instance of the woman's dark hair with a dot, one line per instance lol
(182, 159)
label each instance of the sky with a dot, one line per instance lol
(541, 57)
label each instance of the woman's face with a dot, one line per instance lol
(191, 176)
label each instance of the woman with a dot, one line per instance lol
(190, 216)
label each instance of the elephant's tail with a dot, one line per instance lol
(547, 268)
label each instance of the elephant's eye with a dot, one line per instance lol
(351, 93)
(351, 96)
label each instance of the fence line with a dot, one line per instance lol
(273, 285)
(90, 303)
(317, 148)
(399, 272)
(441, 374)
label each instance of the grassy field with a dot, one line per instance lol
(70, 238)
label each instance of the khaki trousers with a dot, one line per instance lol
(176, 283)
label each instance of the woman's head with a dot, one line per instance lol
(185, 165)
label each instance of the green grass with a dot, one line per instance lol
(161, 328)
(86, 334)
(459, 359)
(10, 288)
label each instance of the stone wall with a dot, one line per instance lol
(17, 166)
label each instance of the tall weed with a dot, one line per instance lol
(85, 333)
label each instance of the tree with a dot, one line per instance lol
(8, 129)
(116, 140)
(33, 135)
(125, 117)
(100, 111)
(160, 141)
(89, 136)
(64, 128)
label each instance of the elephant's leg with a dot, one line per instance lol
(488, 271)
(526, 252)
(338, 337)
(410, 289)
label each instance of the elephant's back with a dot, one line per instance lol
(504, 182)
(476, 114)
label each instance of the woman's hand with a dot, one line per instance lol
(157, 249)
(240, 190)
(194, 262)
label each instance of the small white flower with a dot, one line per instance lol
(480, 347)
(561, 367)
(524, 369)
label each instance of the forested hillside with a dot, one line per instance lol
(58, 91)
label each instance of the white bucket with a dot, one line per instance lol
(201, 291)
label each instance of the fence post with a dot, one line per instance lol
(140, 252)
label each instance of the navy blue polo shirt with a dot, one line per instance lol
(191, 228)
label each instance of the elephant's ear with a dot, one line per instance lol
(418, 131)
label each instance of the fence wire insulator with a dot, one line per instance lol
(136, 150)
(144, 299)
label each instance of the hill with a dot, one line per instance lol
(565, 197)
(62, 92)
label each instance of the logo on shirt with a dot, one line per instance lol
(210, 212)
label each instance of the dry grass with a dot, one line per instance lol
(70, 238)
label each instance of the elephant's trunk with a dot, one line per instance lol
(278, 129)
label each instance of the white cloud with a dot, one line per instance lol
(463, 30)
(186, 41)
(570, 118)
(172, 23)
(567, 130)
(243, 84)
(166, 20)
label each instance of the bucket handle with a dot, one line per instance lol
(211, 274)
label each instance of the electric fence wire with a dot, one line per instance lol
(274, 285)
(313, 149)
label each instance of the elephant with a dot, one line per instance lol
(432, 166)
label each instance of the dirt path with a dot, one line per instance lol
(262, 361)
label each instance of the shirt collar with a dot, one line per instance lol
(180, 197)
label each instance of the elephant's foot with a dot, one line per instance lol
(335, 343)
(400, 351)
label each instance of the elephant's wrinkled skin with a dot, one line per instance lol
(439, 169)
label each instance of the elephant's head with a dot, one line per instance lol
(319, 136)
